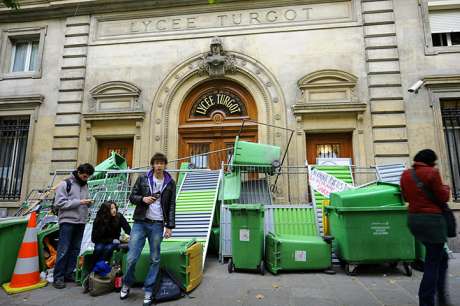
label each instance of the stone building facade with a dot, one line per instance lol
(79, 79)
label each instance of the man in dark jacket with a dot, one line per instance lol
(154, 195)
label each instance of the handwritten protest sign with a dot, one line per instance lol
(325, 183)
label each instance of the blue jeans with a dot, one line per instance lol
(103, 251)
(154, 233)
(70, 237)
(434, 274)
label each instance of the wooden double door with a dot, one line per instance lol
(211, 118)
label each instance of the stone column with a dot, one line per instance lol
(389, 125)
(71, 89)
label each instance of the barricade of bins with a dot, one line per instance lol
(367, 225)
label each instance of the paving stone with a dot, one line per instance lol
(237, 289)
(394, 297)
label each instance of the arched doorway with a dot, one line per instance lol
(210, 119)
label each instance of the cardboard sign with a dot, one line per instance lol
(325, 183)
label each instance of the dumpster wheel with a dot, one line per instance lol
(230, 266)
(350, 269)
(261, 268)
(407, 269)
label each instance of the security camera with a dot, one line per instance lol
(416, 87)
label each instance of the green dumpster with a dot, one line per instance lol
(11, 234)
(247, 237)
(255, 154)
(52, 232)
(214, 240)
(371, 235)
(420, 251)
(378, 194)
(184, 259)
(84, 266)
(114, 162)
(296, 253)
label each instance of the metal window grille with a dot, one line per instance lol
(450, 111)
(13, 143)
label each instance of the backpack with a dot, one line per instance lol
(167, 288)
(54, 209)
(97, 285)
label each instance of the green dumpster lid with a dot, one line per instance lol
(232, 186)
(377, 194)
(173, 245)
(369, 208)
(246, 207)
(5, 222)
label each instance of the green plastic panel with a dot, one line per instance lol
(196, 201)
(295, 221)
(341, 172)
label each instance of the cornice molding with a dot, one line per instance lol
(328, 108)
(442, 80)
(21, 102)
(46, 9)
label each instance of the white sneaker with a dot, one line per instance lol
(124, 292)
(147, 299)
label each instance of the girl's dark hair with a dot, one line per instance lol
(158, 157)
(104, 216)
(86, 168)
(426, 156)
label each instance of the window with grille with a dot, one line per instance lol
(328, 150)
(13, 143)
(450, 111)
(198, 155)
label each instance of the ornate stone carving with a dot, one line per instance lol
(217, 62)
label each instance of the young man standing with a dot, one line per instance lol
(154, 195)
(72, 201)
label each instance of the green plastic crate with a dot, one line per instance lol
(11, 234)
(296, 253)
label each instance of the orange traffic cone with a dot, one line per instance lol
(26, 274)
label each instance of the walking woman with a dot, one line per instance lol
(106, 231)
(427, 224)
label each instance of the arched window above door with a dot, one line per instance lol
(218, 102)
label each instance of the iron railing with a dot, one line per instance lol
(13, 143)
(451, 122)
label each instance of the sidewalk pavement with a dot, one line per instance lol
(373, 286)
